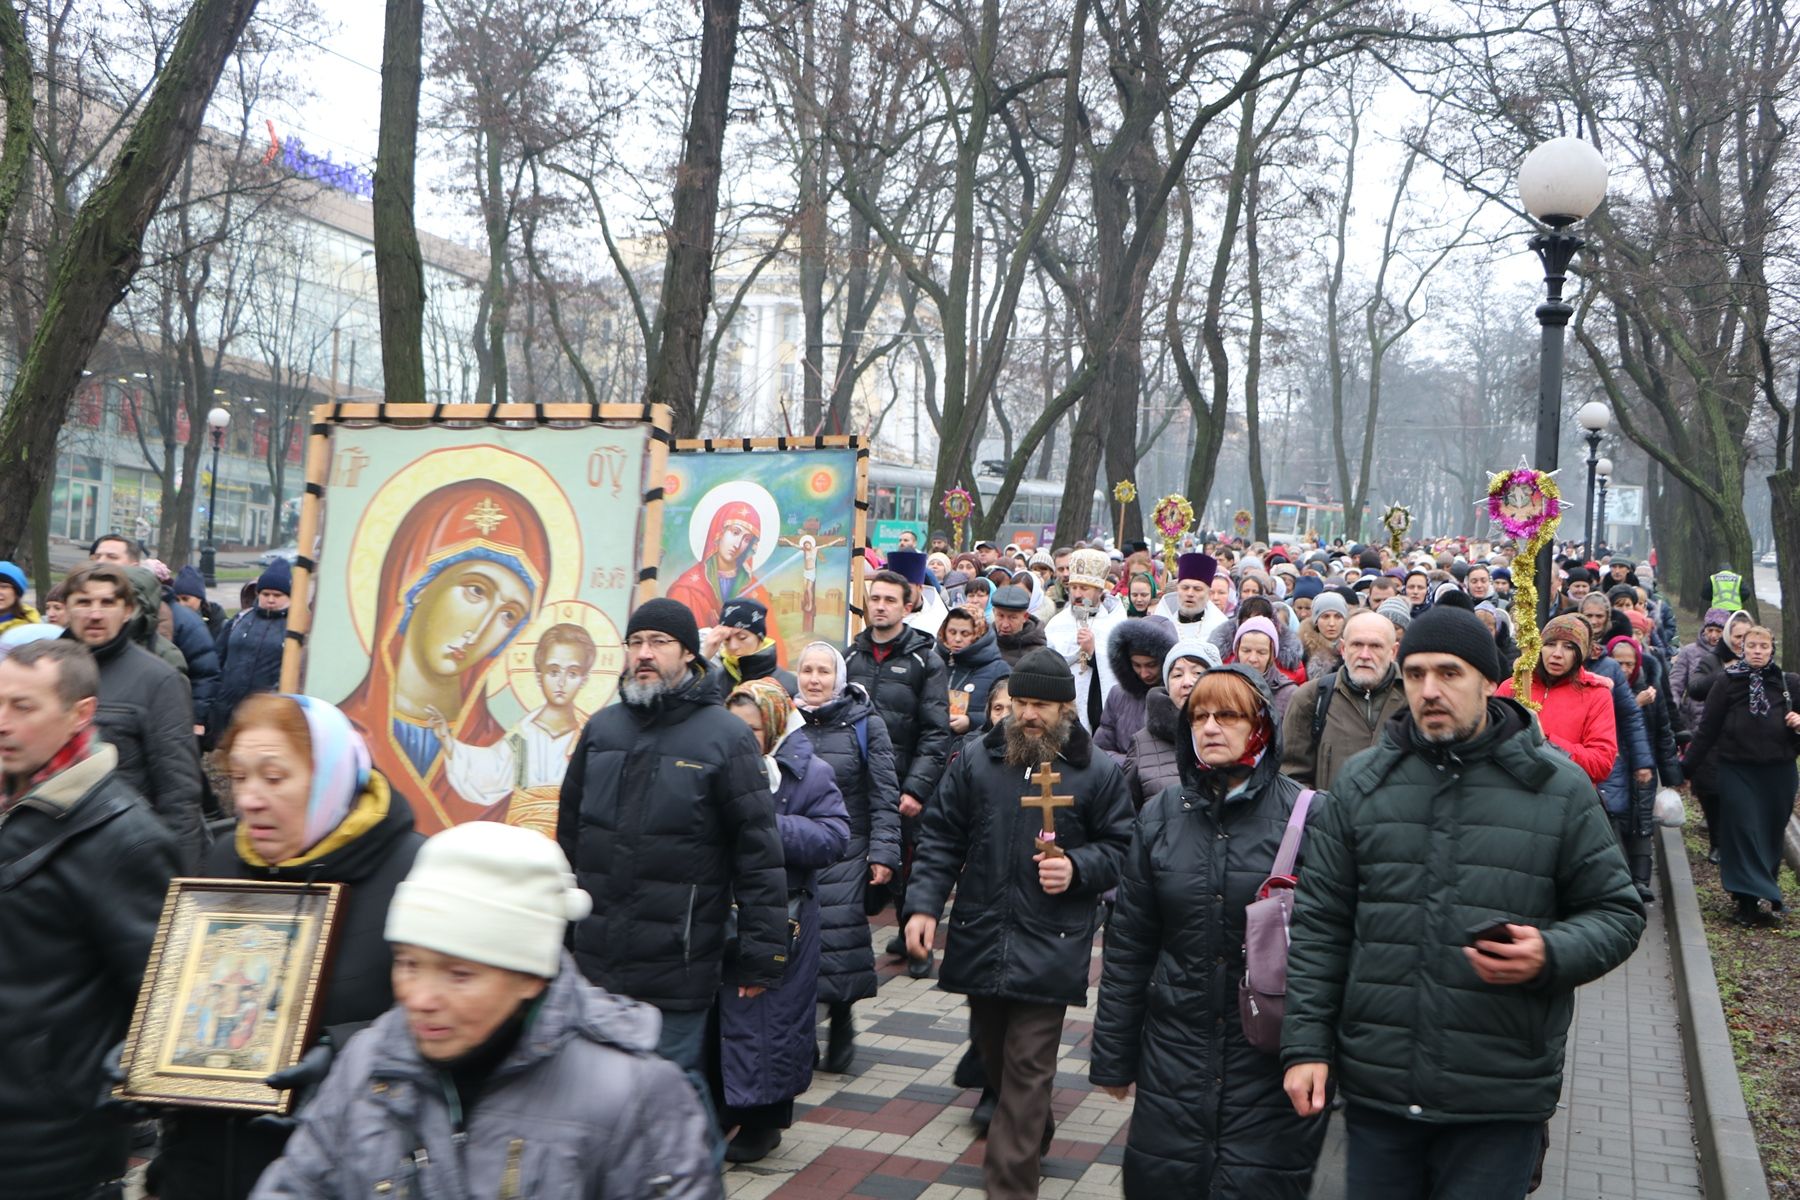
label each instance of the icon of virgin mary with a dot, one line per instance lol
(465, 572)
(724, 571)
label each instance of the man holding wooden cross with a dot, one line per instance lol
(1030, 827)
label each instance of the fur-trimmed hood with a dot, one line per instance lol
(1148, 636)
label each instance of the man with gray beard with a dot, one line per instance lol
(667, 819)
(1337, 716)
(1029, 826)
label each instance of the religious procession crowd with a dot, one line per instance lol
(1334, 857)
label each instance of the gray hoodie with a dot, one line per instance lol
(582, 1109)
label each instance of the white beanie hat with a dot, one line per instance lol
(491, 893)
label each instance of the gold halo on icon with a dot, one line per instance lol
(418, 479)
(521, 672)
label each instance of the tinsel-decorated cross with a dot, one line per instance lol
(1527, 506)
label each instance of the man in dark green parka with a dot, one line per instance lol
(1446, 1039)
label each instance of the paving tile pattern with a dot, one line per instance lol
(898, 1129)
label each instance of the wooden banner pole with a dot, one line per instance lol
(299, 622)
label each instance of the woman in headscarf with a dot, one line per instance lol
(1704, 671)
(766, 1042)
(1140, 594)
(1042, 607)
(1254, 647)
(1152, 763)
(969, 649)
(1224, 594)
(1636, 826)
(464, 573)
(846, 732)
(1696, 660)
(1749, 733)
(1210, 1117)
(1290, 649)
(311, 809)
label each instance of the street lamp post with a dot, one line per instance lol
(1560, 182)
(1605, 467)
(1593, 419)
(216, 421)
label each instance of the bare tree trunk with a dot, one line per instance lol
(1784, 498)
(15, 89)
(399, 265)
(687, 276)
(1259, 488)
(103, 252)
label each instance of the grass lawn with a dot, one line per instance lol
(1756, 969)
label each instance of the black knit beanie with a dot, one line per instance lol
(745, 613)
(663, 615)
(1042, 675)
(1457, 631)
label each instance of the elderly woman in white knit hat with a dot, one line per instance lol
(499, 1071)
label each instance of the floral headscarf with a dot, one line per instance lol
(779, 719)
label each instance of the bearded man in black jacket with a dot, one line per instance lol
(667, 819)
(1021, 936)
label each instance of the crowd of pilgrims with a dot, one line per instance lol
(617, 1010)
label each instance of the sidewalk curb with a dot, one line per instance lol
(1730, 1167)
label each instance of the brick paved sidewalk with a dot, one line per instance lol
(899, 1129)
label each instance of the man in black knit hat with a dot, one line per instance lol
(1029, 827)
(1460, 885)
(667, 819)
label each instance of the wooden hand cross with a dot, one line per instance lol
(1047, 803)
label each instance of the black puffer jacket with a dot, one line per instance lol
(195, 642)
(146, 714)
(249, 661)
(1123, 715)
(1211, 1118)
(910, 689)
(973, 672)
(1419, 843)
(666, 816)
(1660, 718)
(1015, 646)
(872, 797)
(76, 926)
(1152, 765)
(209, 1154)
(1008, 939)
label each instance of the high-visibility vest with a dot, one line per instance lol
(1728, 591)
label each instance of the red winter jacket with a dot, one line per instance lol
(1577, 717)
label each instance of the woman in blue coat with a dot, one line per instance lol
(767, 1039)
